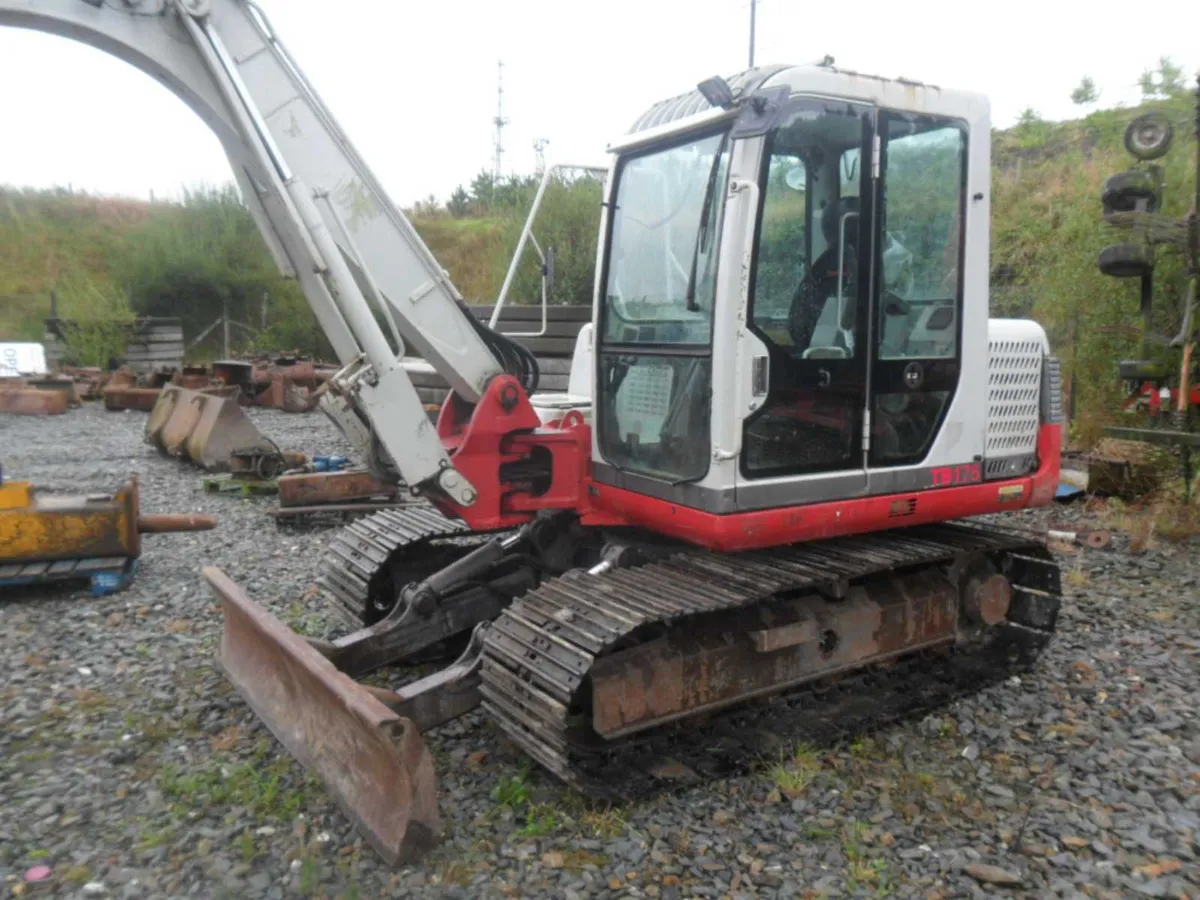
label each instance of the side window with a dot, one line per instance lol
(782, 245)
(921, 214)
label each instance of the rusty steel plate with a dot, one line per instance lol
(372, 761)
(705, 669)
(32, 402)
(314, 488)
(118, 398)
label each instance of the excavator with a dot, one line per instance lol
(788, 425)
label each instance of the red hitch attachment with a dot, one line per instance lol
(517, 465)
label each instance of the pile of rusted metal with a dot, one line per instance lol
(126, 390)
(270, 381)
(276, 382)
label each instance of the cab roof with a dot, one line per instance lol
(824, 80)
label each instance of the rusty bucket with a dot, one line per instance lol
(371, 760)
(204, 428)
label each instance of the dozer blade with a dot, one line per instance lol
(371, 760)
(204, 428)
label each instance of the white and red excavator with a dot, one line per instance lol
(790, 389)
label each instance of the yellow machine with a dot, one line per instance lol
(95, 537)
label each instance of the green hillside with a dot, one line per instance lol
(189, 258)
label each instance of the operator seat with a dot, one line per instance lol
(820, 284)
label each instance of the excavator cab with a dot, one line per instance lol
(763, 335)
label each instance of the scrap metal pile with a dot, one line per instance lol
(269, 381)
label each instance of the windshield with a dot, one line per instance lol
(664, 244)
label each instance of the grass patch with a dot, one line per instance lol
(793, 773)
(152, 837)
(310, 876)
(1076, 577)
(863, 872)
(78, 875)
(540, 820)
(513, 791)
(454, 872)
(247, 847)
(259, 785)
(605, 824)
(578, 860)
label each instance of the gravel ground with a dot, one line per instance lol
(130, 769)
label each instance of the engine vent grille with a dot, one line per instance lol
(1014, 382)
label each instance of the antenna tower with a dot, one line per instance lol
(499, 122)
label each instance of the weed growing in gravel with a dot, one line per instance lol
(605, 824)
(310, 876)
(1077, 577)
(151, 836)
(792, 775)
(872, 874)
(257, 785)
(453, 872)
(578, 860)
(512, 791)
(596, 818)
(540, 820)
(861, 871)
(247, 847)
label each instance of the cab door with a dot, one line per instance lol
(916, 358)
(809, 306)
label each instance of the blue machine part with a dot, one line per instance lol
(107, 583)
(330, 463)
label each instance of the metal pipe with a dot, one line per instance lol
(165, 523)
(519, 252)
(526, 235)
(842, 264)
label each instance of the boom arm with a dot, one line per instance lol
(324, 215)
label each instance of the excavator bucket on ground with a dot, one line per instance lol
(207, 429)
(371, 758)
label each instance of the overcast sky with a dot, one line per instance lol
(414, 83)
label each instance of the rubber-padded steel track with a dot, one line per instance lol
(362, 554)
(537, 654)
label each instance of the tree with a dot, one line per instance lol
(202, 257)
(483, 190)
(459, 203)
(1165, 81)
(1029, 116)
(1086, 92)
(429, 207)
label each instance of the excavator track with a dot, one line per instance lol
(373, 556)
(540, 657)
